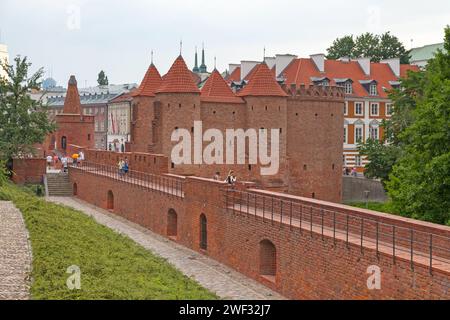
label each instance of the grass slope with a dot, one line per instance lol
(112, 266)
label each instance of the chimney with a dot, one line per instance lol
(246, 67)
(282, 61)
(394, 63)
(319, 61)
(364, 63)
(232, 67)
(270, 61)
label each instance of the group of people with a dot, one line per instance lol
(353, 172)
(231, 178)
(75, 159)
(123, 166)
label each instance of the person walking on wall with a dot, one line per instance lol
(125, 166)
(65, 163)
(49, 162)
(75, 159)
(231, 179)
(120, 165)
(217, 175)
(81, 157)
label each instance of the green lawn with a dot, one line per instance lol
(112, 266)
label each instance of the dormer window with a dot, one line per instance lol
(320, 81)
(325, 82)
(348, 87)
(373, 89)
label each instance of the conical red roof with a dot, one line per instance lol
(217, 90)
(151, 82)
(72, 103)
(262, 83)
(178, 79)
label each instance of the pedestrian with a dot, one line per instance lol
(354, 173)
(120, 165)
(217, 175)
(75, 159)
(81, 157)
(49, 161)
(55, 161)
(231, 179)
(125, 166)
(64, 161)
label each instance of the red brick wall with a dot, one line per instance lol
(78, 130)
(308, 265)
(28, 170)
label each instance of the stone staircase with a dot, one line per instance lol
(58, 185)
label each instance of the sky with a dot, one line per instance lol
(82, 37)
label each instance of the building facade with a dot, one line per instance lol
(96, 105)
(119, 122)
(365, 84)
(308, 120)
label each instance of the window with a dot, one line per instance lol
(374, 109)
(358, 161)
(358, 108)
(203, 232)
(358, 134)
(388, 109)
(325, 83)
(345, 108)
(172, 223)
(345, 134)
(348, 87)
(267, 259)
(373, 89)
(374, 133)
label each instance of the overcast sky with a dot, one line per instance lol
(82, 37)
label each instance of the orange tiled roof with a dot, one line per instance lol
(72, 103)
(216, 89)
(178, 79)
(262, 83)
(404, 68)
(301, 70)
(235, 75)
(151, 82)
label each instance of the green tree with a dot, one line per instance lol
(23, 121)
(102, 79)
(420, 180)
(377, 47)
(341, 47)
(382, 158)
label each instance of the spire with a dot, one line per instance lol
(216, 89)
(203, 68)
(262, 83)
(178, 79)
(151, 82)
(151, 57)
(72, 103)
(196, 69)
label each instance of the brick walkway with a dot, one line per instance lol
(15, 254)
(225, 282)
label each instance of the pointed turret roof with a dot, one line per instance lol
(262, 83)
(196, 69)
(72, 103)
(151, 82)
(178, 79)
(217, 90)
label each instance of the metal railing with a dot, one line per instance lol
(367, 232)
(152, 182)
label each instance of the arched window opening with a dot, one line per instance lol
(172, 223)
(267, 259)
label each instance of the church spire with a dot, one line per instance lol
(196, 69)
(203, 68)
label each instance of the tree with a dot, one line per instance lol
(420, 180)
(341, 47)
(377, 47)
(102, 79)
(382, 158)
(23, 121)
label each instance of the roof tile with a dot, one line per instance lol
(178, 79)
(262, 83)
(217, 90)
(151, 82)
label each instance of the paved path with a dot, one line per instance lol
(15, 254)
(225, 282)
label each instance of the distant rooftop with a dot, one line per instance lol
(426, 52)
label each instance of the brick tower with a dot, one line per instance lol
(177, 106)
(74, 130)
(143, 114)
